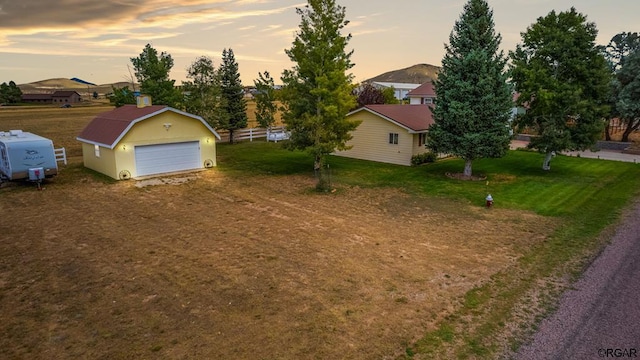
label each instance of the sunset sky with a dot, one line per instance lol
(95, 39)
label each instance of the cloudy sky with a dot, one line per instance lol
(95, 39)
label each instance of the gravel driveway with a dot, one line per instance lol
(600, 316)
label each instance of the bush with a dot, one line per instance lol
(428, 157)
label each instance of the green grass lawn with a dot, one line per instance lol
(516, 181)
(586, 195)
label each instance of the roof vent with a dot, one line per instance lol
(143, 101)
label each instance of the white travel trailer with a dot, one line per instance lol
(24, 155)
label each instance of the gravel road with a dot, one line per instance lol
(600, 316)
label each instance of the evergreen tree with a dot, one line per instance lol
(474, 101)
(317, 90)
(563, 80)
(202, 92)
(233, 104)
(265, 97)
(152, 71)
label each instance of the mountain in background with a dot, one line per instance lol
(82, 87)
(416, 74)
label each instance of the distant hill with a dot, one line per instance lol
(81, 86)
(416, 74)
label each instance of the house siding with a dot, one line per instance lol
(152, 131)
(417, 149)
(105, 164)
(371, 141)
(148, 132)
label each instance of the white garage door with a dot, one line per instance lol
(164, 158)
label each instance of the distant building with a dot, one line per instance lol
(37, 98)
(58, 97)
(424, 94)
(401, 90)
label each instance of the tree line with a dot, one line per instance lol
(567, 84)
(10, 93)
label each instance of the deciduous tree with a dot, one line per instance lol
(474, 101)
(368, 94)
(563, 80)
(627, 90)
(317, 90)
(621, 48)
(233, 105)
(202, 91)
(265, 97)
(152, 71)
(121, 96)
(10, 93)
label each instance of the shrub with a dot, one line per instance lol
(428, 157)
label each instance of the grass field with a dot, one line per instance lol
(246, 261)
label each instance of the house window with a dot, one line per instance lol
(393, 138)
(96, 148)
(422, 139)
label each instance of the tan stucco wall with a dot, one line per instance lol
(105, 164)
(148, 132)
(371, 141)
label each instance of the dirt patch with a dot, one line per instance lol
(238, 268)
(461, 176)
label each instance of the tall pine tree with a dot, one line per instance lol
(564, 82)
(233, 104)
(474, 101)
(317, 90)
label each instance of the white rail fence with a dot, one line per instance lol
(277, 133)
(61, 155)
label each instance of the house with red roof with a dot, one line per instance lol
(424, 94)
(389, 133)
(58, 97)
(133, 141)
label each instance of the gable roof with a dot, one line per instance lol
(36, 97)
(64, 93)
(413, 118)
(424, 90)
(108, 128)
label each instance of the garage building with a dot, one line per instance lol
(142, 140)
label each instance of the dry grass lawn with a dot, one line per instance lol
(218, 267)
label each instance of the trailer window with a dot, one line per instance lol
(96, 148)
(3, 153)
